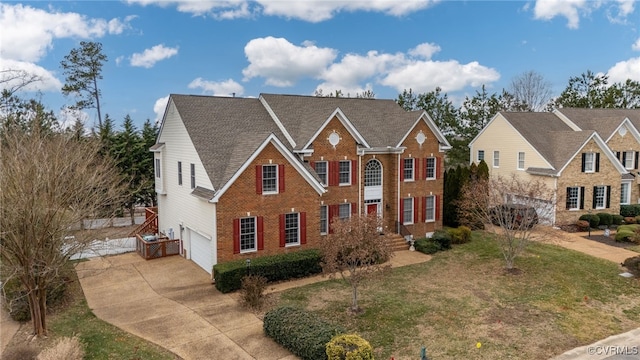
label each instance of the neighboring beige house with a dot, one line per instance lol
(588, 156)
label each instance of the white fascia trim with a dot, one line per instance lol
(381, 150)
(277, 121)
(566, 120)
(632, 130)
(159, 149)
(605, 149)
(164, 116)
(272, 139)
(347, 124)
(442, 140)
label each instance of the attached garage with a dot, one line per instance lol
(200, 250)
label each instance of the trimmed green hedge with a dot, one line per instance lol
(427, 246)
(630, 210)
(593, 219)
(300, 331)
(626, 232)
(606, 219)
(228, 276)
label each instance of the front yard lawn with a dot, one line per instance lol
(462, 305)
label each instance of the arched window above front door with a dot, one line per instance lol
(373, 173)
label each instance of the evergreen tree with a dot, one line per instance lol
(149, 134)
(128, 152)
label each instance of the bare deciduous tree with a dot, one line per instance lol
(511, 208)
(50, 182)
(356, 250)
(531, 89)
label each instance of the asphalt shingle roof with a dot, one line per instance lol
(604, 121)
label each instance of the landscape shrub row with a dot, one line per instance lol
(601, 219)
(632, 210)
(228, 276)
(300, 331)
(442, 240)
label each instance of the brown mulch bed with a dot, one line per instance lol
(609, 240)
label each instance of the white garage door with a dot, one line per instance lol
(201, 251)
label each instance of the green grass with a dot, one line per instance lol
(560, 300)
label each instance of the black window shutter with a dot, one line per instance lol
(584, 156)
(635, 163)
(581, 197)
(593, 204)
(597, 162)
(624, 158)
(608, 196)
(618, 155)
(568, 192)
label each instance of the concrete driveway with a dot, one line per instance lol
(171, 302)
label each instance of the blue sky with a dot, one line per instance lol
(156, 48)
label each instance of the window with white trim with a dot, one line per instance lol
(625, 193)
(292, 229)
(573, 198)
(345, 172)
(248, 234)
(629, 158)
(269, 179)
(599, 197)
(431, 168)
(496, 158)
(324, 219)
(480, 155)
(430, 208)
(179, 172)
(321, 170)
(589, 162)
(408, 169)
(344, 211)
(521, 160)
(373, 173)
(407, 211)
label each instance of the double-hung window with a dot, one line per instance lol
(179, 172)
(269, 179)
(321, 170)
(625, 193)
(496, 158)
(430, 208)
(407, 211)
(408, 169)
(158, 172)
(589, 162)
(599, 197)
(344, 172)
(193, 176)
(480, 155)
(431, 168)
(248, 234)
(344, 211)
(573, 198)
(521, 160)
(292, 229)
(629, 158)
(324, 219)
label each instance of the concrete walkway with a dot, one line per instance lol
(577, 241)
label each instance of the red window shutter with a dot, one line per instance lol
(424, 208)
(281, 178)
(282, 237)
(401, 211)
(415, 209)
(438, 167)
(312, 164)
(236, 236)
(260, 233)
(354, 209)
(354, 172)
(303, 228)
(437, 206)
(259, 179)
(333, 173)
(402, 169)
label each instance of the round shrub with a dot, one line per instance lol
(443, 238)
(632, 210)
(633, 265)
(582, 225)
(593, 220)
(349, 347)
(617, 219)
(300, 331)
(460, 235)
(624, 235)
(605, 219)
(427, 246)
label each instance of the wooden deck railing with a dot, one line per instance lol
(161, 247)
(150, 224)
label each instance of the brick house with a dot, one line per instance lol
(588, 156)
(240, 177)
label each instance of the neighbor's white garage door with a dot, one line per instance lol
(201, 251)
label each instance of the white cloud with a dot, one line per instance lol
(617, 11)
(636, 45)
(223, 88)
(283, 63)
(425, 50)
(159, 107)
(306, 10)
(623, 70)
(28, 33)
(67, 118)
(47, 82)
(354, 69)
(423, 76)
(150, 57)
